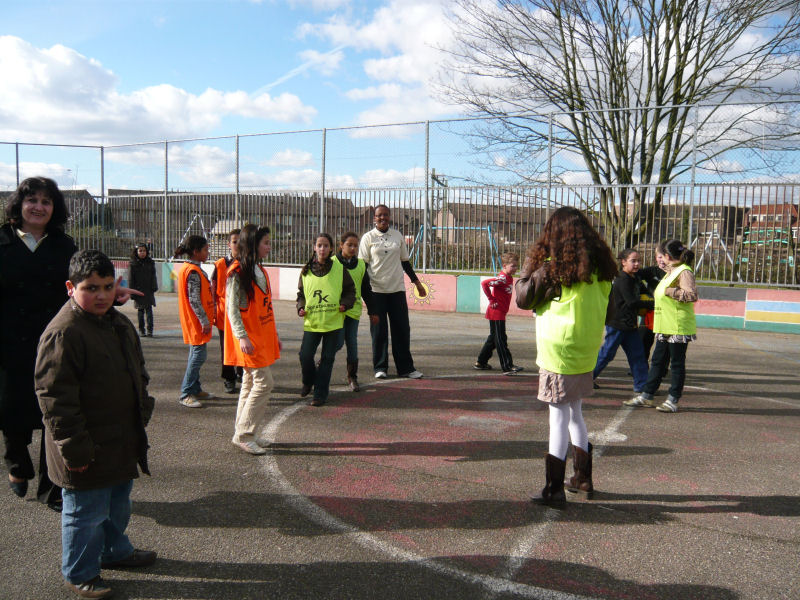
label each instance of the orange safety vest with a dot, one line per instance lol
(259, 322)
(221, 269)
(190, 324)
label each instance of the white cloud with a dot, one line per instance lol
(58, 95)
(407, 34)
(291, 158)
(392, 178)
(320, 5)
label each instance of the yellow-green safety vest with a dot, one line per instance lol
(323, 296)
(569, 330)
(357, 275)
(673, 317)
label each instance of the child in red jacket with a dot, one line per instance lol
(498, 290)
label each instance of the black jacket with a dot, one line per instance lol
(142, 277)
(626, 298)
(32, 290)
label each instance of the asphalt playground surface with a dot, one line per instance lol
(420, 489)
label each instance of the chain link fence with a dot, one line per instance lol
(460, 191)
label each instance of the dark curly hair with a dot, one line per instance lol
(30, 186)
(571, 250)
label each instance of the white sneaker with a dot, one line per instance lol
(263, 442)
(190, 402)
(667, 406)
(380, 374)
(413, 375)
(251, 447)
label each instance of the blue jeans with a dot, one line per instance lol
(631, 344)
(191, 379)
(93, 526)
(349, 337)
(318, 377)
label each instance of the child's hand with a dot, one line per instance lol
(123, 294)
(301, 312)
(493, 305)
(374, 319)
(421, 289)
(247, 346)
(342, 308)
(207, 329)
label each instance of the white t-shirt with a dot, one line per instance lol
(383, 253)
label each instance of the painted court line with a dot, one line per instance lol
(494, 585)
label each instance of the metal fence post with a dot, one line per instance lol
(322, 183)
(103, 189)
(16, 146)
(694, 172)
(237, 222)
(166, 203)
(426, 222)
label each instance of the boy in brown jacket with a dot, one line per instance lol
(92, 388)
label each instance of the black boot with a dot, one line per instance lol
(553, 491)
(352, 376)
(581, 482)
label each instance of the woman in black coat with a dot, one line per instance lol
(142, 277)
(34, 264)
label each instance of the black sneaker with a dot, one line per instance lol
(513, 370)
(230, 386)
(482, 367)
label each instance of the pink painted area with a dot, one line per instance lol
(514, 309)
(774, 295)
(727, 308)
(274, 281)
(441, 293)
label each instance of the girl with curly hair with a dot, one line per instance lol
(570, 257)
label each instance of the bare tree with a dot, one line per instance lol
(633, 88)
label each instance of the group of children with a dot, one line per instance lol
(237, 298)
(651, 303)
(95, 450)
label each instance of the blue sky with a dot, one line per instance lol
(122, 71)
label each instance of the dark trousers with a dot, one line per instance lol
(145, 313)
(319, 376)
(648, 337)
(228, 373)
(665, 354)
(497, 340)
(20, 465)
(392, 311)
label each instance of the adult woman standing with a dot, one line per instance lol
(34, 264)
(569, 256)
(385, 252)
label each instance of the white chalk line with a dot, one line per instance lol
(304, 506)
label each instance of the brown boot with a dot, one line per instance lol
(352, 376)
(581, 481)
(553, 491)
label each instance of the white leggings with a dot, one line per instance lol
(566, 423)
